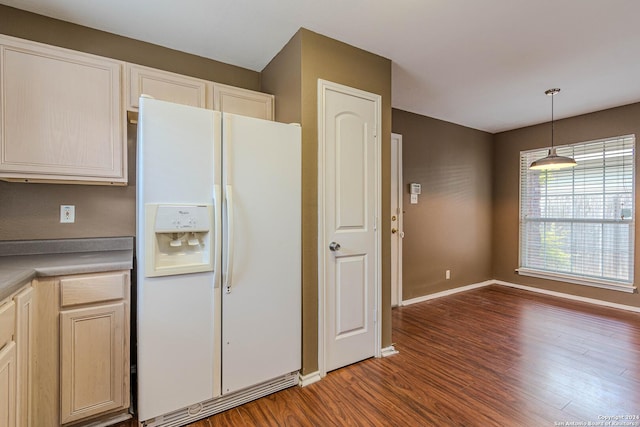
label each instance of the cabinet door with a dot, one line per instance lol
(61, 114)
(7, 321)
(8, 385)
(165, 86)
(245, 102)
(92, 352)
(24, 354)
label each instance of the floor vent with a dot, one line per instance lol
(211, 407)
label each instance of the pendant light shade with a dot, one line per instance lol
(552, 161)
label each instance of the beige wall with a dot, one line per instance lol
(323, 58)
(507, 146)
(450, 227)
(283, 78)
(31, 211)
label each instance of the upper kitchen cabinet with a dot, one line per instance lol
(230, 99)
(61, 115)
(165, 86)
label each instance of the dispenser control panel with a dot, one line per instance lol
(182, 218)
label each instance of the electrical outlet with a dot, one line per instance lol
(67, 214)
(447, 274)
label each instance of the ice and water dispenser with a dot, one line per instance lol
(180, 239)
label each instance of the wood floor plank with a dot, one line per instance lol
(493, 356)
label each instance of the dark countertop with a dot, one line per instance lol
(21, 261)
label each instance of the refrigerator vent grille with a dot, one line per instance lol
(220, 404)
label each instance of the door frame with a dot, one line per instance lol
(397, 186)
(323, 86)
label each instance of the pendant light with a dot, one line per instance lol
(552, 161)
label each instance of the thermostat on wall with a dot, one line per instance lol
(414, 190)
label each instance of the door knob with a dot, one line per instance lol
(334, 246)
(394, 231)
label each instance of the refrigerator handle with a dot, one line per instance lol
(229, 269)
(217, 208)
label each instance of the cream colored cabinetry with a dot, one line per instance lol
(195, 92)
(82, 349)
(246, 102)
(165, 86)
(8, 385)
(24, 351)
(8, 368)
(16, 341)
(92, 343)
(61, 115)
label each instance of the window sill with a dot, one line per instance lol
(578, 281)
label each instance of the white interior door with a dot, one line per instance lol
(396, 219)
(350, 151)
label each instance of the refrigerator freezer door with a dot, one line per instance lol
(261, 316)
(176, 153)
(176, 348)
(178, 315)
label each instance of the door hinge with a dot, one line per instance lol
(375, 223)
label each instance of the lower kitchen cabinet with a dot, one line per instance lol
(8, 393)
(15, 358)
(92, 360)
(82, 349)
(24, 355)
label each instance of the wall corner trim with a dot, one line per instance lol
(305, 380)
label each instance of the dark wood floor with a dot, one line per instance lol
(494, 356)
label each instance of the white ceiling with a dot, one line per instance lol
(480, 63)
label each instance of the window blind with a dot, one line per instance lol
(578, 223)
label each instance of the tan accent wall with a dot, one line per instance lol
(507, 146)
(31, 211)
(282, 77)
(450, 227)
(319, 57)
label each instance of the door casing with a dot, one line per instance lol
(397, 192)
(323, 86)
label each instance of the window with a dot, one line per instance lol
(577, 224)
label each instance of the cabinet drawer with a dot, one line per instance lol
(7, 322)
(90, 289)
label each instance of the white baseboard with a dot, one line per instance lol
(569, 296)
(305, 380)
(447, 292)
(388, 351)
(525, 288)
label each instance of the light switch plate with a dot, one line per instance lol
(67, 214)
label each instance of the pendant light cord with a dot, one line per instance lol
(552, 119)
(551, 93)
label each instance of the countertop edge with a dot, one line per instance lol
(22, 279)
(65, 246)
(16, 271)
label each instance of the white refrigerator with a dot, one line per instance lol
(218, 260)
